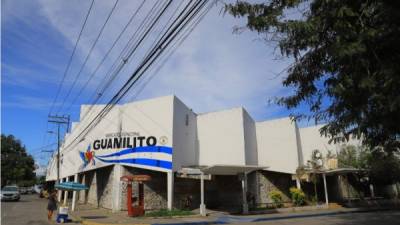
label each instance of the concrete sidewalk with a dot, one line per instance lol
(89, 215)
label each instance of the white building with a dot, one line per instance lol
(165, 139)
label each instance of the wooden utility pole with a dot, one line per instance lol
(59, 120)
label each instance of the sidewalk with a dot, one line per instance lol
(89, 215)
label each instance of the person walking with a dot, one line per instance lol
(52, 204)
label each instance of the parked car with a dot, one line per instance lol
(10, 193)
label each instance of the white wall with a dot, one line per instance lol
(277, 146)
(228, 137)
(152, 117)
(311, 139)
(250, 138)
(185, 136)
(221, 138)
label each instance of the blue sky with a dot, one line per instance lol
(213, 69)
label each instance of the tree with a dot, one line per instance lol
(346, 63)
(381, 167)
(17, 167)
(350, 156)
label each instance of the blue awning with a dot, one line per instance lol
(71, 186)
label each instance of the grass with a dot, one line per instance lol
(169, 213)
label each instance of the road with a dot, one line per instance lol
(30, 210)
(366, 218)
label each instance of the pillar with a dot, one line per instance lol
(395, 192)
(82, 194)
(170, 189)
(244, 194)
(59, 193)
(202, 205)
(371, 189)
(118, 172)
(325, 189)
(66, 192)
(74, 194)
(298, 183)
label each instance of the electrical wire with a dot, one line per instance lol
(105, 56)
(71, 57)
(144, 66)
(88, 56)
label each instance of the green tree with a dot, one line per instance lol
(346, 62)
(17, 167)
(350, 156)
(384, 168)
(380, 166)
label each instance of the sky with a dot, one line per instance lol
(213, 69)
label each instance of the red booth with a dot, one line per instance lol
(138, 209)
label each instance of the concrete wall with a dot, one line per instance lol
(277, 145)
(152, 117)
(221, 134)
(185, 136)
(311, 139)
(250, 139)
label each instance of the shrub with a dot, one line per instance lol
(298, 196)
(276, 197)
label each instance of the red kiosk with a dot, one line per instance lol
(139, 209)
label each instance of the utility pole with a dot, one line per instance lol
(59, 120)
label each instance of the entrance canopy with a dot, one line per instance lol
(220, 169)
(230, 169)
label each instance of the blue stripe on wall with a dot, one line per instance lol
(140, 161)
(162, 149)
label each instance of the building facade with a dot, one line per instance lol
(224, 157)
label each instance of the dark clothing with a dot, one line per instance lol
(52, 205)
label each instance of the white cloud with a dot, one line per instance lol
(212, 70)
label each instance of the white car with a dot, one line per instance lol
(10, 193)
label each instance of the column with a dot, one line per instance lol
(74, 194)
(202, 205)
(116, 188)
(325, 189)
(244, 194)
(371, 189)
(59, 193)
(298, 183)
(82, 194)
(66, 192)
(170, 189)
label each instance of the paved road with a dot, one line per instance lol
(370, 218)
(30, 210)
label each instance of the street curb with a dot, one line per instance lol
(229, 220)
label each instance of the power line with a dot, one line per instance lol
(105, 56)
(170, 53)
(124, 59)
(163, 43)
(71, 57)
(67, 69)
(115, 96)
(88, 56)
